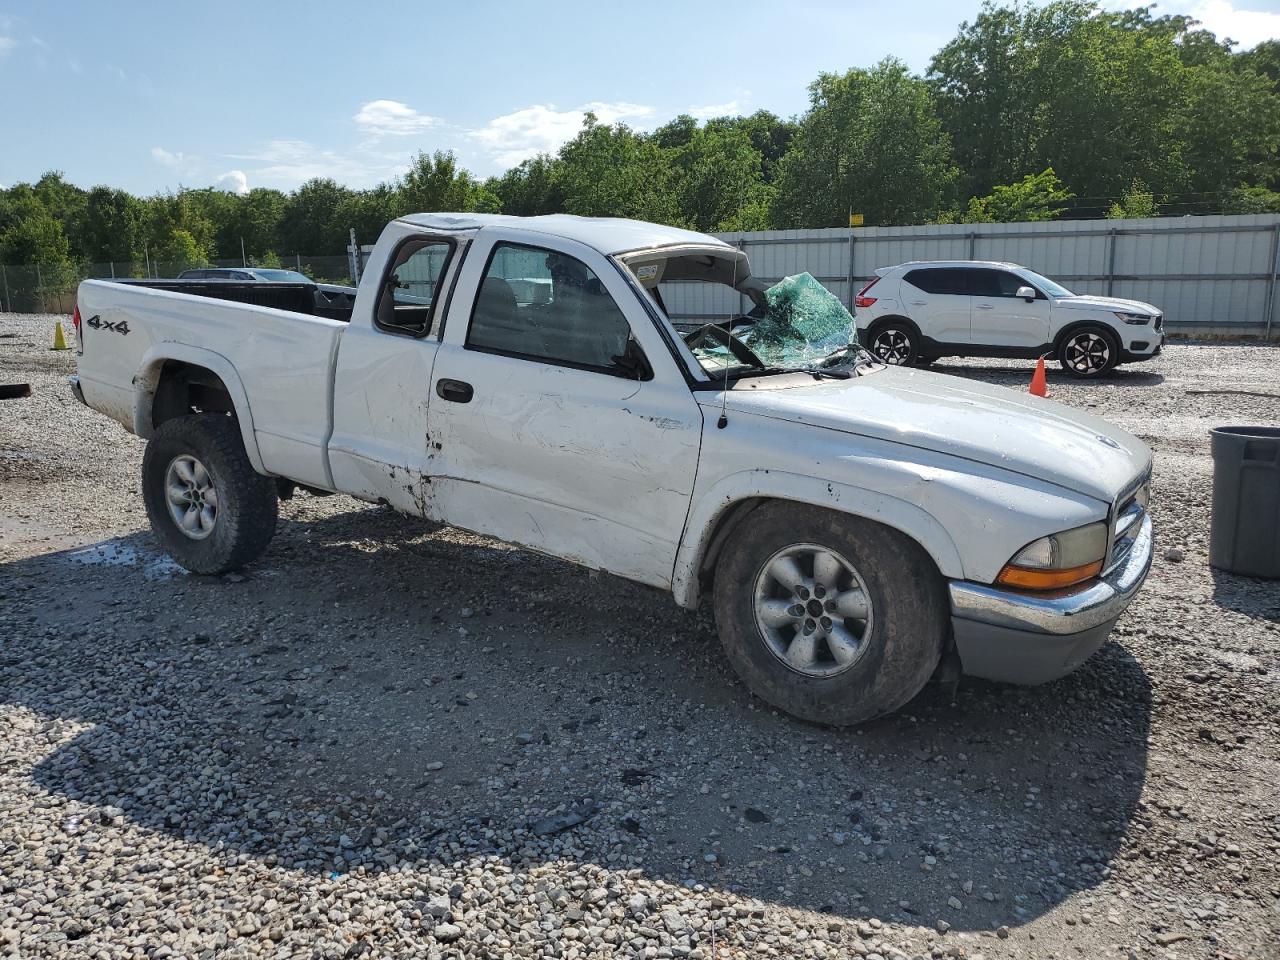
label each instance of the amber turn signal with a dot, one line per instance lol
(1025, 579)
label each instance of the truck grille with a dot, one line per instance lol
(1128, 523)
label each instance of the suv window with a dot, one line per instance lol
(996, 283)
(407, 297)
(940, 280)
(541, 305)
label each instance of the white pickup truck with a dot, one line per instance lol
(857, 526)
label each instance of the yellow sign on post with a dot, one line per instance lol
(855, 219)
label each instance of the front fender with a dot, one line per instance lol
(705, 515)
(147, 380)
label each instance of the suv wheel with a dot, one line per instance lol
(208, 506)
(832, 618)
(1088, 352)
(895, 344)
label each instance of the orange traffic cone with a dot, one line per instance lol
(1039, 388)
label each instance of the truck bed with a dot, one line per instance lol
(282, 359)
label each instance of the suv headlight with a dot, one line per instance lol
(1057, 561)
(1133, 319)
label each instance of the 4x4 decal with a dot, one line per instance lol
(122, 327)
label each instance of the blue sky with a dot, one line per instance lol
(150, 96)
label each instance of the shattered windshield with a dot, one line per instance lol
(800, 325)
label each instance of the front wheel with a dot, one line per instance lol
(208, 506)
(829, 617)
(1088, 352)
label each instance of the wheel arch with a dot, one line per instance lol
(722, 510)
(879, 322)
(1077, 325)
(173, 379)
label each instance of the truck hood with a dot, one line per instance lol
(1089, 302)
(991, 425)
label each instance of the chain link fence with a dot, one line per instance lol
(41, 288)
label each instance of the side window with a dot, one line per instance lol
(407, 298)
(940, 280)
(542, 305)
(997, 283)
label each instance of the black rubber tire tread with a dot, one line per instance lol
(909, 603)
(248, 506)
(1112, 342)
(913, 335)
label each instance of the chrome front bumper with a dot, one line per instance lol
(1032, 638)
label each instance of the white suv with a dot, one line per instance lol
(920, 311)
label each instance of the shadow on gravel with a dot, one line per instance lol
(1252, 596)
(374, 694)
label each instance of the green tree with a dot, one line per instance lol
(871, 143)
(612, 171)
(1038, 196)
(530, 189)
(770, 135)
(114, 226)
(1252, 200)
(1136, 203)
(33, 235)
(309, 222)
(435, 182)
(717, 178)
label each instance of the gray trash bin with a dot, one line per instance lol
(1244, 536)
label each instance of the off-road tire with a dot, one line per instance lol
(247, 502)
(1112, 347)
(908, 601)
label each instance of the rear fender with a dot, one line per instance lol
(147, 380)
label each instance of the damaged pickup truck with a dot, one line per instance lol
(854, 525)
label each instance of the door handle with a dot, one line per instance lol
(455, 391)
(985, 306)
(919, 303)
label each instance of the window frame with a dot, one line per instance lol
(646, 368)
(396, 331)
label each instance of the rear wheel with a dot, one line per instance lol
(832, 618)
(1088, 352)
(895, 343)
(208, 506)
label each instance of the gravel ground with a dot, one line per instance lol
(388, 739)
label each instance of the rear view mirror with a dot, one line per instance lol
(1027, 293)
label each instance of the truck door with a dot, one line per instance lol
(558, 418)
(382, 382)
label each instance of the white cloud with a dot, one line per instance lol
(6, 44)
(1241, 22)
(392, 118)
(287, 163)
(162, 156)
(730, 109)
(233, 181)
(515, 137)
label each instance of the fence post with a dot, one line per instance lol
(741, 245)
(39, 290)
(973, 244)
(1271, 284)
(113, 269)
(7, 302)
(298, 259)
(850, 280)
(1111, 260)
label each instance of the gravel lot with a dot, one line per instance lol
(387, 739)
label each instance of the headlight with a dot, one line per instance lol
(1057, 561)
(1134, 319)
